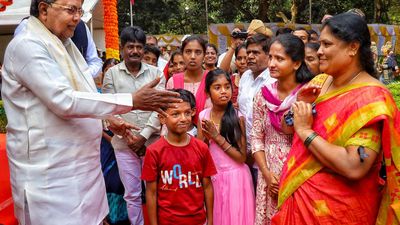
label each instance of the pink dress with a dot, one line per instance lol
(234, 201)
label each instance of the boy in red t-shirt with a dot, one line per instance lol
(177, 170)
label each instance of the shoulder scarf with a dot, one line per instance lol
(340, 115)
(201, 96)
(276, 108)
(71, 62)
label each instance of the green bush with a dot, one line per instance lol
(395, 89)
(3, 118)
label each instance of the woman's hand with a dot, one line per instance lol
(273, 185)
(303, 118)
(209, 129)
(309, 93)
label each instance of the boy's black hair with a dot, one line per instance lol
(152, 49)
(186, 96)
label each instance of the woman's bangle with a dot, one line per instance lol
(222, 142)
(214, 136)
(227, 148)
(309, 139)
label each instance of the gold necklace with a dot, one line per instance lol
(212, 120)
(354, 77)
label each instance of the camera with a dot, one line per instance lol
(237, 34)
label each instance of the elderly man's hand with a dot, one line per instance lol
(136, 142)
(120, 127)
(150, 99)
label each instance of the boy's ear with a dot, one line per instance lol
(194, 111)
(162, 119)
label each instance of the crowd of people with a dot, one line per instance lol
(286, 128)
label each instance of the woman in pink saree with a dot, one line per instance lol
(331, 175)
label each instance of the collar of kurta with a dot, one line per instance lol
(70, 61)
(143, 68)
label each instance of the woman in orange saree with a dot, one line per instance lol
(332, 171)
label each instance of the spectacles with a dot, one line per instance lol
(72, 10)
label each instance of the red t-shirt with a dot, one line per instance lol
(179, 172)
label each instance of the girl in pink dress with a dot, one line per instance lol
(222, 128)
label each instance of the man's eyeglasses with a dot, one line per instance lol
(72, 10)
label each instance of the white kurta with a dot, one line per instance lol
(53, 137)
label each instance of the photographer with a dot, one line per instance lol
(226, 61)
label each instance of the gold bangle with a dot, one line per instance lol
(222, 143)
(227, 148)
(214, 136)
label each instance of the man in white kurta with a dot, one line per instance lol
(54, 127)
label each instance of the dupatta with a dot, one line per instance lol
(275, 107)
(201, 96)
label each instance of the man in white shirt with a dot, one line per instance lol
(252, 80)
(129, 76)
(54, 120)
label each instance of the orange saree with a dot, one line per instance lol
(313, 194)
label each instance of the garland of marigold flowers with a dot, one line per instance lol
(4, 3)
(111, 28)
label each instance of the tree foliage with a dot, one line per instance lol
(189, 16)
